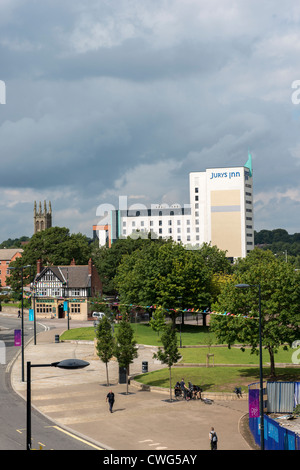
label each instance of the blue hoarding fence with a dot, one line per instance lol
(276, 437)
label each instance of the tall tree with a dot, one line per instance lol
(105, 342)
(280, 302)
(125, 346)
(169, 355)
(167, 275)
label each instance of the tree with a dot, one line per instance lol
(158, 320)
(125, 346)
(280, 301)
(167, 275)
(107, 259)
(54, 246)
(105, 342)
(170, 354)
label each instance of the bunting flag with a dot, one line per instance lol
(178, 310)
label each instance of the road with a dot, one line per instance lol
(13, 408)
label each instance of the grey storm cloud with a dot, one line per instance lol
(106, 98)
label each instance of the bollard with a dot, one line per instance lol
(144, 367)
(57, 338)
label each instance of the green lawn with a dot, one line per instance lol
(191, 335)
(217, 379)
(223, 355)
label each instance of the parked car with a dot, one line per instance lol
(98, 315)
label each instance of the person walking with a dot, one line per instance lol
(213, 439)
(110, 398)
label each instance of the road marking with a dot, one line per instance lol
(76, 437)
(153, 444)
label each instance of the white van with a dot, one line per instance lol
(98, 315)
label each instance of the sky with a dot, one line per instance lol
(107, 98)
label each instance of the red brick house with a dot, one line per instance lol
(6, 257)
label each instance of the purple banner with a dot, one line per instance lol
(254, 403)
(18, 338)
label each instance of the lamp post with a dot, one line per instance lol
(65, 364)
(21, 268)
(261, 399)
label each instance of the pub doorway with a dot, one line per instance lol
(61, 312)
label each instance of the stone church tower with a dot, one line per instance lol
(42, 220)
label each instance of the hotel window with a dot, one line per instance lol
(170, 230)
(133, 224)
(160, 230)
(160, 223)
(124, 224)
(196, 198)
(196, 190)
(170, 222)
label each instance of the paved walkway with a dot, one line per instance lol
(142, 420)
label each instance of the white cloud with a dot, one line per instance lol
(111, 97)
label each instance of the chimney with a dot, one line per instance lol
(90, 266)
(73, 263)
(38, 266)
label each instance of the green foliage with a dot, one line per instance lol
(280, 300)
(107, 259)
(158, 320)
(105, 342)
(54, 246)
(125, 345)
(169, 354)
(170, 276)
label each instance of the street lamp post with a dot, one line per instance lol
(22, 315)
(261, 398)
(65, 364)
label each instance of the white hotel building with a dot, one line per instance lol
(220, 213)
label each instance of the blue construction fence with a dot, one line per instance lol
(276, 437)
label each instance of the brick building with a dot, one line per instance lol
(55, 285)
(6, 257)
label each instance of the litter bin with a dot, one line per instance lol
(122, 375)
(57, 338)
(144, 367)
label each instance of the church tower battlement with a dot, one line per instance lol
(42, 219)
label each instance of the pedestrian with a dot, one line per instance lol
(184, 389)
(213, 439)
(111, 399)
(19, 314)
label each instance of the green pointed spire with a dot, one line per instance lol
(249, 163)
